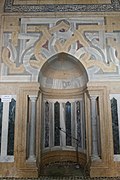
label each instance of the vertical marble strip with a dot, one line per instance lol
(1, 114)
(98, 126)
(62, 124)
(47, 124)
(12, 107)
(84, 120)
(57, 124)
(52, 133)
(78, 113)
(95, 155)
(43, 124)
(115, 112)
(4, 139)
(32, 141)
(68, 124)
(83, 130)
(73, 123)
(82, 124)
(51, 124)
(118, 108)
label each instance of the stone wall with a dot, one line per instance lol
(32, 34)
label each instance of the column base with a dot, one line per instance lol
(95, 158)
(31, 159)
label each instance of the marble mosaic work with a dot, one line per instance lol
(64, 178)
(76, 7)
(34, 41)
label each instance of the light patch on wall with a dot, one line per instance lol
(30, 2)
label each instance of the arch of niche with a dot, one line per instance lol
(63, 80)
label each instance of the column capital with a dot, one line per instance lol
(93, 97)
(33, 98)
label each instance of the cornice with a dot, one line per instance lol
(10, 7)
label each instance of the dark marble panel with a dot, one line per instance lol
(78, 115)
(47, 124)
(1, 113)
(115, 126)
(12, 107)
(56, 124)
(68, 124)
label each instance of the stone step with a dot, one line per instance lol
(61, 169)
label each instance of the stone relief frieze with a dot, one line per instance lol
(27, 48)
(11, 7)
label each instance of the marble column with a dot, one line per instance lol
(4, 136)
(95, 154)
(32, 134)
(118, 111)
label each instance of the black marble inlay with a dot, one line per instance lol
(68, 124)
(115, 126)
(12, 107)
(1, 114)
(10, 7)
(79, 133)
(47, 124)
(57, 124)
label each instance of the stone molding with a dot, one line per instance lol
(11, 8)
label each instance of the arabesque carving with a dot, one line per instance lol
(26, 50)
(12, 66)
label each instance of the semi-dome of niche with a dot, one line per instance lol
(63, 71)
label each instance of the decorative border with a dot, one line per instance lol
(11, 8)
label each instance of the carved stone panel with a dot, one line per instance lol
(60, 6)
